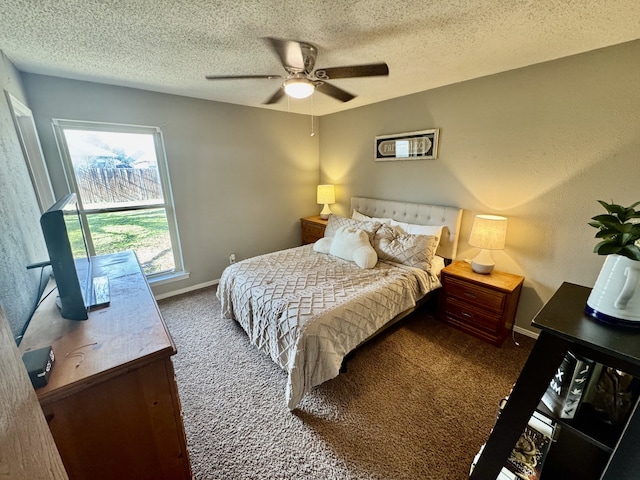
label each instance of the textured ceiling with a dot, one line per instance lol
(169, 46)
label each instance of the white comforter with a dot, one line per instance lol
(307, 310)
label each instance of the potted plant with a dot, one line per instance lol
(618, 233)
(615, 297)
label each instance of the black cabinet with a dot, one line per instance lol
(585, 448)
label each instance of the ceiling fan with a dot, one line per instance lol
(301, 80)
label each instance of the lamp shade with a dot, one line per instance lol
(488, 232)
(326, 194)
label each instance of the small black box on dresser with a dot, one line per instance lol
(39, 363)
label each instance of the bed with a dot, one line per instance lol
(308, 307)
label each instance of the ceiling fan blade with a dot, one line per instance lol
(240, 77)
(334, 92)
(275, 97)
(289, 51)
(371, 70)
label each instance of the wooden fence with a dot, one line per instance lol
(116, 185)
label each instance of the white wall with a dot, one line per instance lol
(539, 145)
(241, 177)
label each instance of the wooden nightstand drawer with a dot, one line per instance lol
(312, 229)
(472, 316)
(478, 296)
(481, 305)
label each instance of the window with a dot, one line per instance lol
(120, 175)
(28, 135)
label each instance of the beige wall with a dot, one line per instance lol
(539, 145)
(241, 177)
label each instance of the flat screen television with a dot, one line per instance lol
(78, 290)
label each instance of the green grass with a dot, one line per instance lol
(144, 231)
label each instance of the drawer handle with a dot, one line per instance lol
(470, 295)
(466, 314)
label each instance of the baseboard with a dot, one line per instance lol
(180, 291)
(525, 332)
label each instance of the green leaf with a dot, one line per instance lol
(606, 233)
(606, 220)
(617, 209)
(630, 251)
(626, 239)
(606, 248)
(607, 207)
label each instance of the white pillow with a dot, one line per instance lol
(346, 241)
(350, 244)
(414, 229)
(323, 245)
(365, 257)
(356, 215)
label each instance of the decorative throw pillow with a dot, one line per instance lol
(349, 244)
(365, 257)
(336, 221)
(323, 245)
(411, 250)
(414, 229)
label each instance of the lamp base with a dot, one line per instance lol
(483, 263)
(324, 214)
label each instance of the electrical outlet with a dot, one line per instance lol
(232, 258)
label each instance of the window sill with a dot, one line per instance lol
(167, 278)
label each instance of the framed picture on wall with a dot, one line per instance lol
(420, 145)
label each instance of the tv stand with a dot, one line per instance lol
(112, 401)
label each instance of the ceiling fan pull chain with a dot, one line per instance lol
(313, 134)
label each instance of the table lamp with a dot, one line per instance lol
(326, 195)
(487, 233)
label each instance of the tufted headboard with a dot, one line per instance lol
(417, 213)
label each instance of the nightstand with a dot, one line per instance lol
(312, 228)
(481, 305)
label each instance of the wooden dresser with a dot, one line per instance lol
(482, 305)
(312, 228)
(112, 401)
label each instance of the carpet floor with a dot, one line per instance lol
(416, 402)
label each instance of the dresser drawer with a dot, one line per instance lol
(478, 318)
(480, 297)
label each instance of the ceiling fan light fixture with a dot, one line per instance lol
(299, 87)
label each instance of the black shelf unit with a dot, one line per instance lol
(588, 427)
(585, 448)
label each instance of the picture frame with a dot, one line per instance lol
(418, 145)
